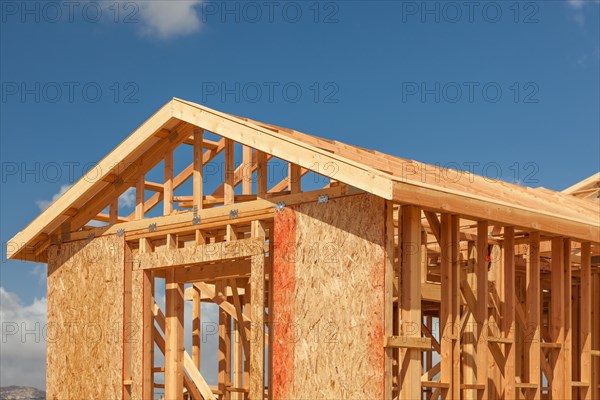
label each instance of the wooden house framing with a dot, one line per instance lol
(394, 280)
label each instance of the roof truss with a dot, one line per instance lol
(183, 123)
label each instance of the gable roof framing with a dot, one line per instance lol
(392, 178)
(588, 188)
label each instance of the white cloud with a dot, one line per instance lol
(167, 19)
(577, 10)
(576, 4)
(39, 271)
(43, 204)
(127, 199)
(22, 344)
(579, 18)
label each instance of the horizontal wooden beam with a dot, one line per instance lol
(494, 211)
(195, 255)
(409, 342)
(106, 218)
(188, 294)
(170, 223)
(211, 272)
(157, 187)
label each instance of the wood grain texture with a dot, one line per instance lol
(329, 300)
(179, 257)
(136, 338)
(84, 347)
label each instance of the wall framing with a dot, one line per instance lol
(473, 289)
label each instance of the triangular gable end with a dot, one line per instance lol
(180, 122)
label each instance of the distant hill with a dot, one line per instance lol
(21, 393)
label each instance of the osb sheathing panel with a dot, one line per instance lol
(329, 299)
(85, 311)
(136, 338)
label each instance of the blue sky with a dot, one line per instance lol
(508, 88)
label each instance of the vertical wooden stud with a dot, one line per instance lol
(127, 326)
(456, 306)
(586, 320)
(139, 197)
(508, 311)
(196, 325)
(389, 288)
(113, 216)
(558, 317)
(173, 338)
(246, 170)
(596, 334)
(247, 313)
(147, 335)
(197, 174)
(168, 186)
(447, 329)
(294, 178)
(424, 258)
(411, 299)
(568, 347)
(482, 307)
(261, 174)
(229, 172)
(224, 344)
(532, 277)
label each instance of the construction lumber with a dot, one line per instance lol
(196, 326)
(410, 296)
(448, 331)
(218, 297)
(508, 312)
(389, 292)
(84, 338)
(183, 221)
(192, 379)
(229, 185)
(248, 166)
(568, 301)
(174, 369)
(533, 314)
(224, 346)
(585, 328)
(495, 212)
(408, 342)
(184, 175)
(213, 271)
(482, 307)
(147, 334)
(456, 306)
(197, 183)
(346, 242)
(558, 317)
(261, 174)
(257, 334)
(294, 178)
(348, 280)
(168, 185)
(212, 252)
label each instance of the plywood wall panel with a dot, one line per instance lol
(284, 286)
(85, 312)
(136, 332)
(329, 300)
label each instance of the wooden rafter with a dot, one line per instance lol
(383, 175)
